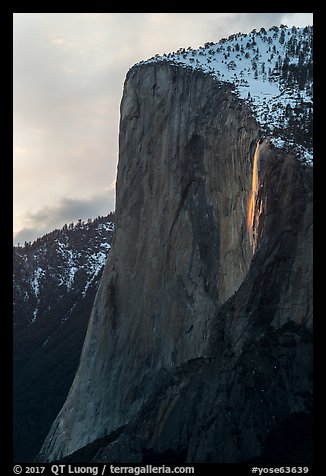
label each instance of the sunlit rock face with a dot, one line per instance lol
(199, 341)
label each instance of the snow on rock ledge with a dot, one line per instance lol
(272, 70)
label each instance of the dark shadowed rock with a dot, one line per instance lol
(54, 284)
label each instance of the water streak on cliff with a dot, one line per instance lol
(253, 195)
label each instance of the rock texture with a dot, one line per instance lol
(199, 342)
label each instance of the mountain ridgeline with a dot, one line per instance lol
(272, 70)
(199, 344)
(55, 281)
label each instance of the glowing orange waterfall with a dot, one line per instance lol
(254, 190)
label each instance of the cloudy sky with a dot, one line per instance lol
(68, 74)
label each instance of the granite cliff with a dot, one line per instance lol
(199, 344)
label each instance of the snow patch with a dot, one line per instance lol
(35, 283)
(259, 66)
(106, 226)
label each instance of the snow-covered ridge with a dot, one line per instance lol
(272, 70)
(61, 263)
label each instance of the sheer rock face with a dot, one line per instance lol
(190, 296)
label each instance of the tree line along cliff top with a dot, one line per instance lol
(272, 70)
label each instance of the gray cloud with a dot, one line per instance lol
(67, 210)
(247, 20)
